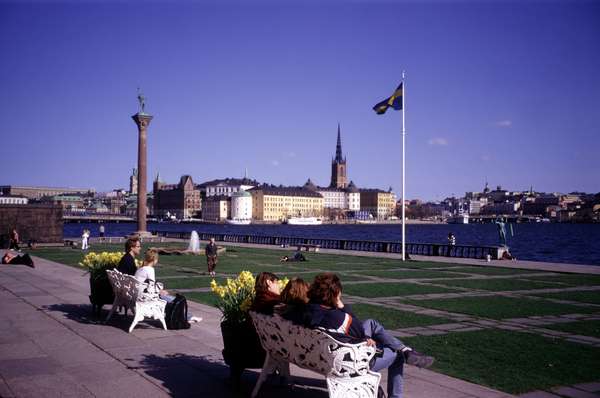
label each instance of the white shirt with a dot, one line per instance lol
(144, 273)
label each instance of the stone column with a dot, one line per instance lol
(142, 120)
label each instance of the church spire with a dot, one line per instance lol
(338, 148)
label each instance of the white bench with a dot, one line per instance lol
(345, 366)
(129, 293)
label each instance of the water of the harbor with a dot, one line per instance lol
(549, 242)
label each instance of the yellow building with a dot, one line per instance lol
(380, 204)
(279, 203)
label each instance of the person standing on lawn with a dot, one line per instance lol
(211, 256)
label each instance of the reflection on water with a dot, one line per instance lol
(564, 243)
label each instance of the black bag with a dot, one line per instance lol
(176, 313)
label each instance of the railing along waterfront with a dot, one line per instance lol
(423, 249)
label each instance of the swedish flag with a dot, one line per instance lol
(395, 101)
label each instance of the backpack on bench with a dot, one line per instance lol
(176, 313)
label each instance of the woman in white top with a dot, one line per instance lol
(146, 274)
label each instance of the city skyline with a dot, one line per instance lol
(500, 92)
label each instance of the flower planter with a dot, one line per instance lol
(101, 291)
(242, 348)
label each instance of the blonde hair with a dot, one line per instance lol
(151, 257)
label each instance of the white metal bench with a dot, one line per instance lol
(129, 293)
(345, 366)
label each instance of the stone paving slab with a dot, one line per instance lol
(539, 394)
(571, 392)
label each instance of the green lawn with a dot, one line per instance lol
(386, 289)
(483, 270)
(413, 274)
(511, 362)
(497, 307)
(585, 328)
(570, 279)
(592, 297)
(497, 285)
(395, 319)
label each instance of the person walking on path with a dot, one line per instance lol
(133, 247)
(85, 237)
(101, 230)
(14, 240)
(211, 256)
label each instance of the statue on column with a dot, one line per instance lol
(142, 101)
(501, 230)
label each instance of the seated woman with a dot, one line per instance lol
(294, 298)
(146, 274)
(12, 258)
(327, 311)
(267, 293)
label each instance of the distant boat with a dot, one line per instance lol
(458, 219)
(239, 221)
(303, 221)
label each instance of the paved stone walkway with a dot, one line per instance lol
(50, 346)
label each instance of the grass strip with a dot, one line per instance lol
(512, 362)
(590, 297)
(497, 285)
(497, 307)
(386, 289)
(395, 319)
(585, 328)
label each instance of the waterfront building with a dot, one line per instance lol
(475, 206)
(13, 200)
(133, 182)
(226, 186)
(339, 178)
(337, 201)
(270, 203)
(380, 204)
(39, 192)
(181, 200)
(241, 205)
(216, 208)
(69, 203)
(499, 209)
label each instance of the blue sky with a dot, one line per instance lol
(508, 91)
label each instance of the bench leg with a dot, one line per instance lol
(138, 317)
(268, 368)
(112, 310)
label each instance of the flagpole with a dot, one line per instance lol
(403, 172)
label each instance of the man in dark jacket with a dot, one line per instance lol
(327, 311)
(127, 265)
(211, 256)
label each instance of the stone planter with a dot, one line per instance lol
(242, 348)
(101, 292)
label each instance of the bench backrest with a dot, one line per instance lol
(128, 287)
(311, 348)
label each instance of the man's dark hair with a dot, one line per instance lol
(131, 242)
(325, 289)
